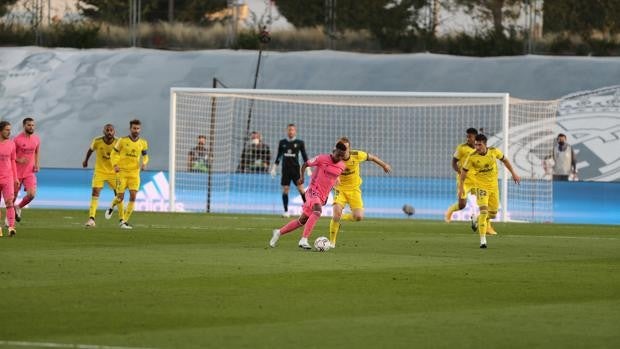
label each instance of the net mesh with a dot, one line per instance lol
(416, 135)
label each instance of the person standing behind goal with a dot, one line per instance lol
(288, 150)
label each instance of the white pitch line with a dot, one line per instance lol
(61, 345)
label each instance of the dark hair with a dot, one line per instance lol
(134, 122)
(291, 125)
(561, 135)
(27, 120)
(341, 146)
(202, 136)
(3, 124)
(471, 131)
(481, 138)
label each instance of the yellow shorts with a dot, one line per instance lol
(485, 197)
(100, 179)
(351, 197)
(128, 182)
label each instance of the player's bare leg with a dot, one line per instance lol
(287, 228)
(309, 226)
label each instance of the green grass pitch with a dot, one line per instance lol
(210, 281)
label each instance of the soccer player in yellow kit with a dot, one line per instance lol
(482, 163)
(103, 172)
(348, 188)
(461, 153)
(128, 158)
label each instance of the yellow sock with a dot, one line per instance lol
(482, 223)
(129, 210)
(121, 211)
(92, 209)
(334, 228)
(347, 217)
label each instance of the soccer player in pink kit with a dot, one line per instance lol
(27, 159)
(328, 168)
(8, 174)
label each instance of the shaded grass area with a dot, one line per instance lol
(200, 280)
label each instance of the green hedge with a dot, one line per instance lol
(180, 36)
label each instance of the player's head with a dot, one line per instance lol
(202, 140)
(134, 128)
(346, 142)
(481, 143)
(339, 152)
(108, 131)
(28, 124)
(471, 135)
(291, 131)
(5, 130)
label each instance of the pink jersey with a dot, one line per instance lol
(7, 161)
(25, 147)
(325, 175)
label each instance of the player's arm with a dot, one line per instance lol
(115, 155)
(14, 166)
(455, 165)
(573, 161)
(384, 165)
(145, 156)
(88, 154)
(302, 149)
(462, 176)
(301, 173)
(36, 159)
(515, 176)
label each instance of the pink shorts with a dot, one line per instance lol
(28, 182)
(311, 200)
(6, 190)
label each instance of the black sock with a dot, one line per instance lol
(285, 202)
(303, 196)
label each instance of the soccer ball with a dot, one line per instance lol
(322, 244)
(408, 210)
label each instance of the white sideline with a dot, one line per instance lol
(61, 345)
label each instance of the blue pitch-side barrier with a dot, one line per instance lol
(574, 202)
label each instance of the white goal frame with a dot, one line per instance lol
(503, 98)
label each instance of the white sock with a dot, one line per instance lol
(483, 240)
(303, 241)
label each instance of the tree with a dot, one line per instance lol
(582, 17)
(5, 6)
(386, 19)
(117, 11)
(494, 11)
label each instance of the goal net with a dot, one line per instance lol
(416, 133)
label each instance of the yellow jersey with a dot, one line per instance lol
(127, 154)
(350, 178)
(484, 168)
(461, 153)
(103, 164)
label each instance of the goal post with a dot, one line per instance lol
(416, 132)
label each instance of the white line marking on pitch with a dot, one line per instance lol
(62, 345)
